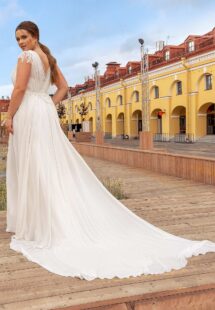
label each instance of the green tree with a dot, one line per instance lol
(61, 110)
(83, 110)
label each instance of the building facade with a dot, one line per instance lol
(4, 104)
(181, 91)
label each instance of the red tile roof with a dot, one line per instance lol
(114, 72)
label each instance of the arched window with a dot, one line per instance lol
(90, 106)
(108, 102)
(178, 88)
(208, 81)
(135, 96)
(156, 92)
(119, 100)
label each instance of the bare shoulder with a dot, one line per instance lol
(42, 55)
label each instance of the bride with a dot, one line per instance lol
(63, 217)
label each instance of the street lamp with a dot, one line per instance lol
(141, 41)
(99, 133)
(145, 135)
(70, 109)
(97, 89)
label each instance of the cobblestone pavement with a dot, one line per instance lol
(202, 149)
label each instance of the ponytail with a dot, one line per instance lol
(52, 62)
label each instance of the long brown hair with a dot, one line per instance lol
(33, 29)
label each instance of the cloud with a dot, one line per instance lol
(6, 90)
(163, 24)
(167, 3)
(114, 36)
(158, 23)
(10, 9)
(76, 62)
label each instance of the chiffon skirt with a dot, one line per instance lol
(63, 217)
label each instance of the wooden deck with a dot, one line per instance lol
(178, 206)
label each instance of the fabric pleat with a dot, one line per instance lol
(63, 217)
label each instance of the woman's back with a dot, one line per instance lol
(39, 80)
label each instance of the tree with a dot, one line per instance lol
(61, 110)
(83, 110)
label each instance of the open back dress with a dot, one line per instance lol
(63, 218)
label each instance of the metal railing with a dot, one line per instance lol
(107, 135)
(161, 137)
(184, 138)
(178, 138)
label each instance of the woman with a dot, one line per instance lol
(63, 218)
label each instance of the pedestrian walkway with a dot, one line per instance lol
(202, 149)
(158, 197)
(178, 206)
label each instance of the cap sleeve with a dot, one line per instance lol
(26, 56)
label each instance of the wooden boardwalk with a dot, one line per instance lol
(178, 206)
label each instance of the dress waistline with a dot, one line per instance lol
(37, 92)
(43, 95)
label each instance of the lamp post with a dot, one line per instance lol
(70, 133)
(146, 139)
(70, 108)
(99, 132)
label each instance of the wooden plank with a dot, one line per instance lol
(107, 295)
(180, 207)
(50, 283)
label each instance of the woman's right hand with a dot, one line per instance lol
(9, 125)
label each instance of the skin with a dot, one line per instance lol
(28, 42)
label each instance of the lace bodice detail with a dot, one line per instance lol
(39, 80)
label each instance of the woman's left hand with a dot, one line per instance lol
(9, 125)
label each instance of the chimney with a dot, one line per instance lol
(159, 45)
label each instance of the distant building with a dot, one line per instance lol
(181, 87)
(4, 103)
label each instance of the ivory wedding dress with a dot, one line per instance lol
(63, 217)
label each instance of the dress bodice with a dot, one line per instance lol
(39, 80)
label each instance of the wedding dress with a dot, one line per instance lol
(63, 217)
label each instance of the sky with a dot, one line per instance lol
(80, 32)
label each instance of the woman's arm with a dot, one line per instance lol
(22, 77)
(62, 87)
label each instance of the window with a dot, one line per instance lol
(167, 55)
(119, 100)
(156, 92)
(178, 88)
(208, 81)
(129, 69)
(108, 102)
(191, 46)
(90, 106)
(136, 96)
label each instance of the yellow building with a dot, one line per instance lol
(182, 94)
(4, 103)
